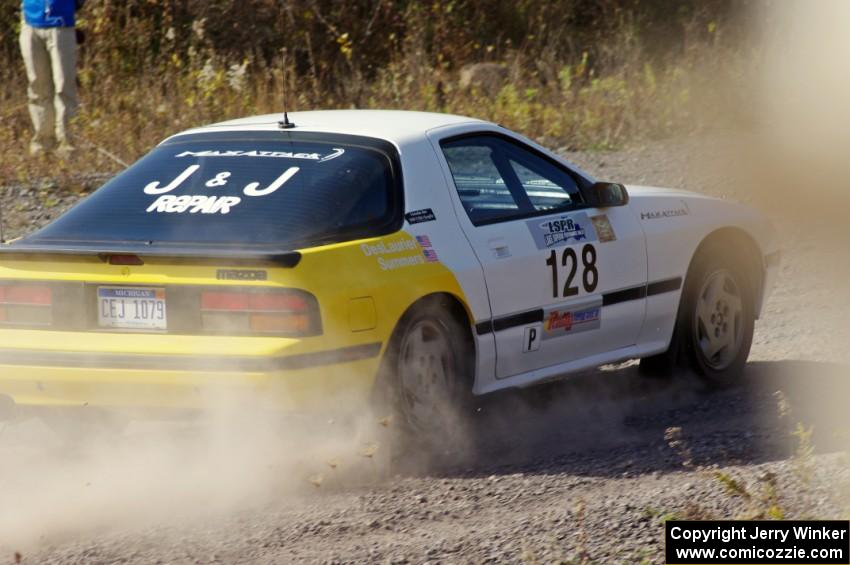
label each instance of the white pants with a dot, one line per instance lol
(50, 56)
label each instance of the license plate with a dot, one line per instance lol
(134, 308)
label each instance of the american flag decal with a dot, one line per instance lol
(424, 240)
(430, 255)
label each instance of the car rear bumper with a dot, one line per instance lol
(296, 382)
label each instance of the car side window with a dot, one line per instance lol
(498, 179)
(482, 189)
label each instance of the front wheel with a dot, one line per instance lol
(720, 318)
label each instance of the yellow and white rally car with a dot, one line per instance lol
(323, 256)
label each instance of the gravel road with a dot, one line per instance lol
(582, 471)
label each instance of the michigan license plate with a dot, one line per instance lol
(133, 308)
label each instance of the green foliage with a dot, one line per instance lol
(661, 517)
(762, 503)
(804, 454)
(582, 73)
(731, 485)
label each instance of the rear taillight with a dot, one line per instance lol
(260, 311)
(26, 305)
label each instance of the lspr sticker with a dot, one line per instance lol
(561, 230)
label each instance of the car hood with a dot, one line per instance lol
(663, 211)
(653, 202)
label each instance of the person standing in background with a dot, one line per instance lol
(49, 47)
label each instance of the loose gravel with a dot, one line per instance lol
(574, 472)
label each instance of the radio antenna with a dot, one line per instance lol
(2, 234)
(285, 124)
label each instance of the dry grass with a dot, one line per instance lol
(561, 103)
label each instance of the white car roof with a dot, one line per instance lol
(395, 126)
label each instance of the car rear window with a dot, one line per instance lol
(244, 188)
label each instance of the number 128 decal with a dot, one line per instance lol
(570, 263)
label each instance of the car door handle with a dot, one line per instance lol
(498, 243)
(499, 247)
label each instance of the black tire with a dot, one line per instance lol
(717, 315)
(431, 348)
(663, 365)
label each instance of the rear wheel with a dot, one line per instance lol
(430, 370)
(427, 369)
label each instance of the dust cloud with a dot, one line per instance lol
(801, 157)
(82, 476)
(795, 165)
(801, 87)
(791, 160)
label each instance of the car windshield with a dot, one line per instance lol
(243, 188)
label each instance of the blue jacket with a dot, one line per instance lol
(50, 13)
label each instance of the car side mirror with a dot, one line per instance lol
(607, 194)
